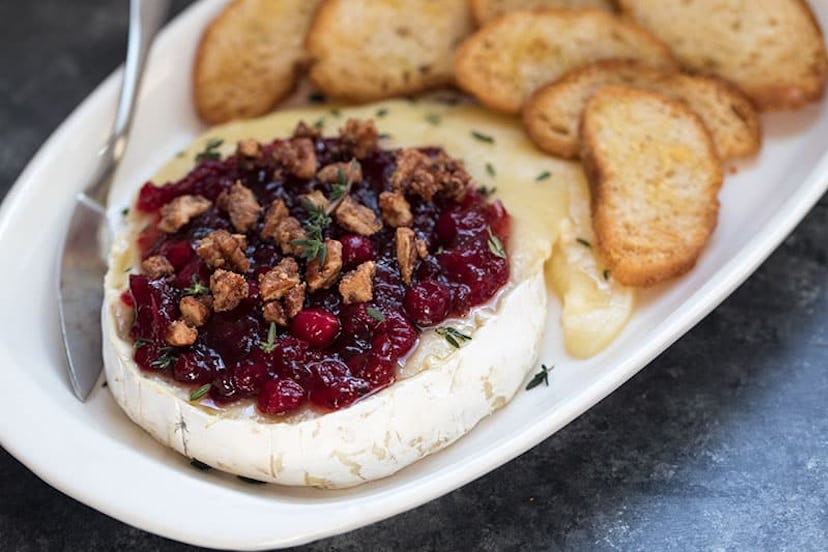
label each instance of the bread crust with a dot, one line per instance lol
(781, 63)
(510, 57)
(367, 50)
(650, 227)
(552, 114)
(246, 62)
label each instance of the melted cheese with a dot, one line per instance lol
(443, 392)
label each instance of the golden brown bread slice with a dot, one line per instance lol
(654, 178)
(486, 10)
(552, 114)
(365, 50)
(249, 57)
(512, 56)
(772, 49)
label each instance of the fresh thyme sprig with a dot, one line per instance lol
(491, 170)
(269, 345)
(454, 336)
(485, 191)
(200, 392)
(166, 360)
(495, 245)
(541, 377)
(196, 288)
(543, 176)
(477, 135)
(210, 151)
(583, 242)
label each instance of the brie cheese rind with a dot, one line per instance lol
(441, 392)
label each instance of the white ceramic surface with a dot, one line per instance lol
(94, 453)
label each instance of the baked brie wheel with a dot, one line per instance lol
(380, 218)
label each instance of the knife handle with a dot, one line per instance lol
(145, 19)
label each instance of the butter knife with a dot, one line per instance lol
(82, 265)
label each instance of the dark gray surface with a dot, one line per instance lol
(721, 443)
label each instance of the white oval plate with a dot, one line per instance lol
(93, 453)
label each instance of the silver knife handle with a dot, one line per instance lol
(145, 19)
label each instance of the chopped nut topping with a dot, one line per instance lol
(425, 176)
(329, 174)
(157, 266)
(242, 206)
(406, 252)
(179, 334)
(357, 285)
(221, 249)
(288, 232)
(422, 248)
(323, 277)
(275, 312)
(274, 283)
(315, 198)
(357, 218)
(228, 290)
(298, 156)
(179, 211)
(294, 300)
(302, 130)
(249, 152)
(360, 136)
(395, 209)
(195, 311)
(276, 213)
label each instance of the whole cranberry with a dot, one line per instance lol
(356, 250)
(377, 371)
(427, 302)
(316, 326)
(394, 337)
(196, 366)
(356, 322)
(280, 396)
(333, 386)
(249, 377)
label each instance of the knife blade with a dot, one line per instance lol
(81, 261)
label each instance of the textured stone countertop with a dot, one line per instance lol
(721, 443)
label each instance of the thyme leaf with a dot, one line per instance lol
(140, 342)
(433, 118)
(491, 170)
(485, 191)
(541, 377)
(376, 314)
(210, 151)
(477, 135)
(583, 242)
(381, 112)
(269, 345)
(166, 360)
(543, 176)
(606, 274)
(454, 336)
(200, 392)
(495, 245)
(197, 288)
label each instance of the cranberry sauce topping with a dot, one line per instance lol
(258, 292)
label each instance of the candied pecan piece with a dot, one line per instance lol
(395, 209)
(195, 311)
(228, 290)
(276, 213)
(274, 283)
(241, 205)
(357, 218)
(422, 248)
(179, 211)
(406, 252)
(425, 176)
(324, 276)
(249, 152)
(298, 156)
(357, 286)
(288, 233)
(294, 299)
(329, 174)
(302, 130)
(157, 266)
(361, 137)
(275, 312)
(179, 334)
(316, 199)
(221, 249)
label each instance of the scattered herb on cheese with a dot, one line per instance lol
(485, 191)
(583, 242)
(336, 112)
(433, 118)
(491, 170)
(210, 151)
(381, 112)
(606, 274)
(495, 245)
(200, 392)
(269, 345)
(124, 211)
(376, 314)
(543, 176)
(127, 269)
(541, 377)
(452, 335)
(319, 124)
(477, 135)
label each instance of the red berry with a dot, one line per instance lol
(377, 371)
(395, 336)
(427, 302)
(280, 396)
(356, 250)
(333, 384)
(316, 326)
